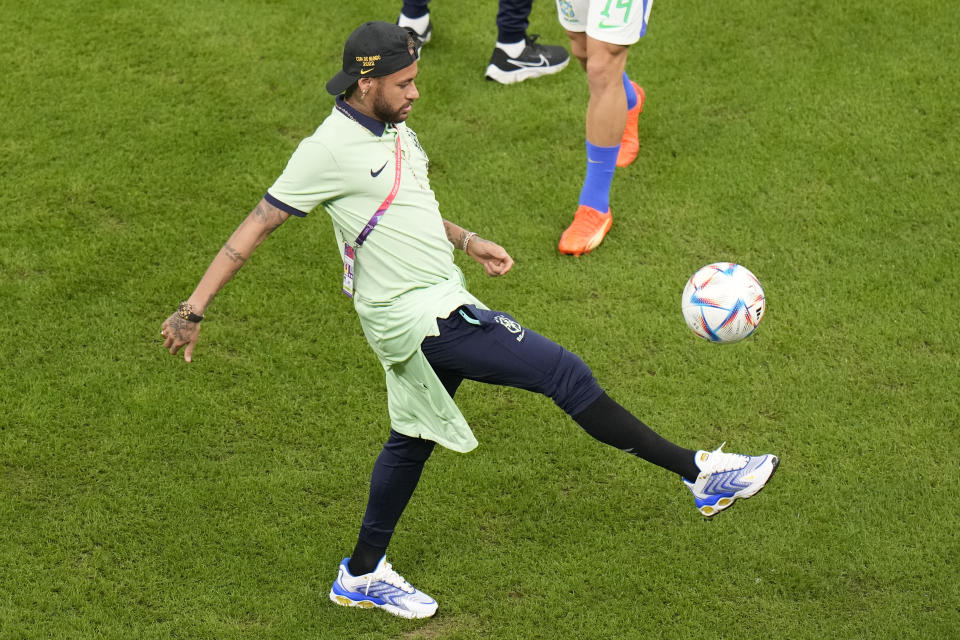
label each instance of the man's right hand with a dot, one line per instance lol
(179, 332)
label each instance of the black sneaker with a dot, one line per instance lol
(536, 60)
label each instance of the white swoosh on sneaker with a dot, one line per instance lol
(543, 62)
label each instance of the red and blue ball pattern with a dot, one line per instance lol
(723, 302)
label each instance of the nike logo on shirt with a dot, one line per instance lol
(374, 174)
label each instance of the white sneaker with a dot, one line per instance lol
(383, 588)
(727, 477)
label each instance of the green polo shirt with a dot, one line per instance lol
(405, 277)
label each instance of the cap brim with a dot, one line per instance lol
(339, 83)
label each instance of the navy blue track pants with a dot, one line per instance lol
(513, 17)
(486, 346)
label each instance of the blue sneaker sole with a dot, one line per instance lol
(345, 601)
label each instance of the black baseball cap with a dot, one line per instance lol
(373, 50)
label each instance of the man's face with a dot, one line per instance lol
(394, 95)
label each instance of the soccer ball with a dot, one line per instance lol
(723, 302)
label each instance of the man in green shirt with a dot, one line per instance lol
(367, 169)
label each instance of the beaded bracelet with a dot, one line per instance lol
(466, 240)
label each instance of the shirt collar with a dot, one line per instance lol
(372, 124)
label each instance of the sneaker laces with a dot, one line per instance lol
(531, 40)
(388, 575)
(720, 461)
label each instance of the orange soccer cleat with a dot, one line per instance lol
(630, 142)
(587, 230)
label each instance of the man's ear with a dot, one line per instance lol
(365, 84)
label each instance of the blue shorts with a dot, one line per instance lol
(490, 346)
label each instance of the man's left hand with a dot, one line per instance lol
(494, 258)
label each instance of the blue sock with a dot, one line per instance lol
(631, 94)
(601, 163)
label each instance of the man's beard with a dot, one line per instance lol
(383, 112)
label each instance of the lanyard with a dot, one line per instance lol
(367, 230)
(350, 251)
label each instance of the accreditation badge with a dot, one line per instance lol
(349, 256)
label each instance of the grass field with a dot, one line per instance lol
(817, 143)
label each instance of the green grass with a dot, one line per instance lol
(817, 143)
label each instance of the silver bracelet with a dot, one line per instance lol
(466, 240)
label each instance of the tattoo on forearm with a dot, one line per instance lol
(233, 254)
(454, 233)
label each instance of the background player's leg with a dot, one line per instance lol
(416, 15)
(517, 56)
(605, 122)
